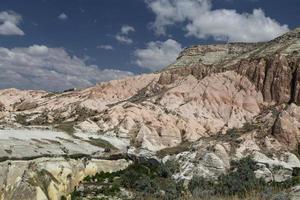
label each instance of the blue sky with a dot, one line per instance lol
(108, 39)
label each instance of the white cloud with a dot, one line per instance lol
(9, 22)
(127, 29)
(62, 16)
(201, 21)
(41, 67)
(158, 54)
(122, 36)
(124, 39)
(38, 50)
(106, 47)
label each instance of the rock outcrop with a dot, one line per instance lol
(287, 127)
(46, 178)
(273, 67)
(275, 76)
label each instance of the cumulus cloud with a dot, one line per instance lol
(158, 55)
(38, 50)
(62, 16)
(122, 36)
(201, 21)
(9, 22)
(106, 47)
(41, 67)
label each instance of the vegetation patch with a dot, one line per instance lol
(25, 106)
(148, 180)
(102, 143)
(67, 127)
(247, 127)
(21, 119)
(145, 180)
(185, 146)
(235, 133)
(239, 182)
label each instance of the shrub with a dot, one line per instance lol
(247, 127)
(146, 185)
(201, 187)
(233, 133)
(168, 169)
(240, 180)
(185, 146)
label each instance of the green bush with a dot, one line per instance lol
(75, 195)
(167, 169)
(240, 180)
(146, 185)
(233, 133)
(201, 187)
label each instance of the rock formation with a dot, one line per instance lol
(226, 101)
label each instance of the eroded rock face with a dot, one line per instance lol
(210, 158)
(273, 67)
(287, 127)
(208, 165)
(184, 112)
(46, 107)
(155, 117)
(49, 178)
(276, 77)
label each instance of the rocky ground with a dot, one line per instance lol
(215, 106)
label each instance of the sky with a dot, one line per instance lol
(59, 44)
